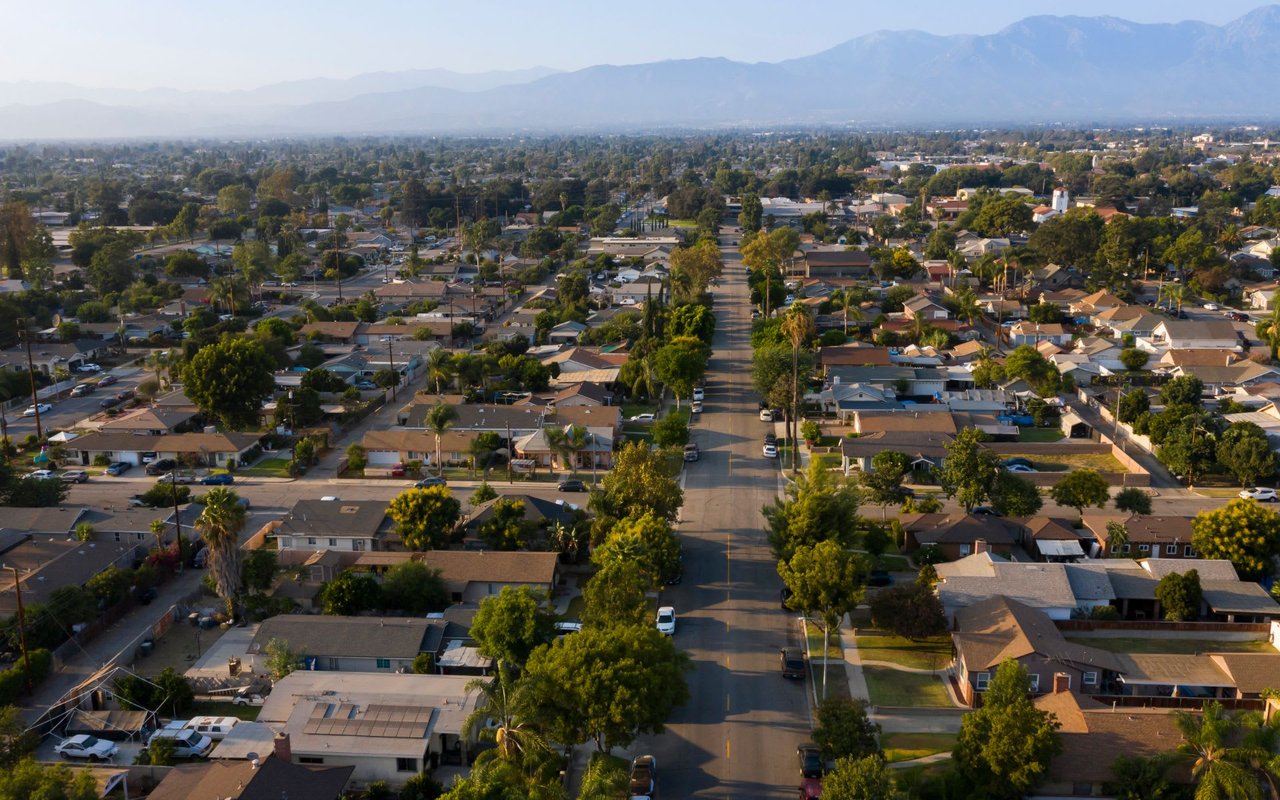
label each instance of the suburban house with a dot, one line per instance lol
(387, 448)
(837, 264)
(1033, 333)
(846, 399)
(386, 727)
(924, 307)
(1220, 380)
(596, 452)
(904, 381)
(925, 449)
(209, 449)
(266, 777)
(998, 628)
(357, 526)
(472, 575)
(1148, 536)
(958, 534)
(537, 510)
(852, 355)
(1187, 334)
(566, 332)
(351, 644)
(148, 421)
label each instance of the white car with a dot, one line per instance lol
(699, 393)
(88, 368)
(695, 407)
(87, 747)
(45, 408)
(41, 474)
(766, 415)
(1020, 468)
(770, 450)
(642, 418)
(1210, 306)
(1259, 493)
(666, 621)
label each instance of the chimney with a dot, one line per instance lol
(979, 546)
(1061, 682)
(283, 749)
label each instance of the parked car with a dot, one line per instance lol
(367, 386)
(41, 474)
(245, 697)
(695, 407)
(396, 471)
(984, 511)
(160, 466)
(89, 748)
(784, 595)
(89, 368)
(666, 620)
(792, 659)
(642, 418)
(186, 742)
(1020, 468)
(1238, 316)
(699, 393)
(109, 402)
(218, 479)
(1016, 461)
(1260, 493)
(644, 777)
(30, 411)
(770, 450)
(766, 415)
(810, 756)
(810, 788)
(572, 485)
(119, 468)
(691, 452)
(1211, 306)
(433, 480)
(82, 389)
(178, 477)
(124, 396)
(107, 380)
(216, 728)
(75, 476)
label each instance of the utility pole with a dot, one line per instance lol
(22, 628)
(392, 356)
(177, 516)
(511, 451)
(25, 333)
(4, 433)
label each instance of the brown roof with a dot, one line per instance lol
(272, 779)
(171, 443)
(1251, 672)
(491, 566)
(854, 356)
(958, 527)
(1050, 528)
(1142, 529)
(1092, 735)
(1191, 357)
(331, 330)
(870, 422)
(996, 629)
(418, 441)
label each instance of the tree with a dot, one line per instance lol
(844, 731)
(506, 528)
(884, 483)
(1183, 390)
(1004, 748)
(827, 580)
(1133, 500)
(1134, 359)
(220, 524)
(230, 380)
(110, 586)
(172, 694)
(27, 779)
(606, 776)
(1012, 496)
(414, 588)
(672, 430)
(606, 684)
(1029, 364)
(510, 625)
(1244, 450)
(350, 593)
(615, 595)
(1045, 313)
(969, 470)
(281, 658)
(16, 741)
(866, 778)
(1242, 532)
(911, 611)
(817, 507)
(1133, 404)
(1138, 778)
(646, 541)
(259, 569)
(751, 214)
(439, 419)
(1083, 487)
(1215, 765)
(425, 518)
(680, 364)
(483, 493)
(1180, 596)
(798, 328)
(639, 482)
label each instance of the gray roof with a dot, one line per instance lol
(1209, 569)
(350, 637)
(360, 519)
(1238, 597)
(1089, 582)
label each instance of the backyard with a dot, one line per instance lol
(1068, 462)
(892, 687)
(1039, 435)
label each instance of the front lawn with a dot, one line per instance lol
(814, 633)
(932, 653)
(891, 687)
(894, 563)
(1170, 646)
(268, 468)
(906, 746)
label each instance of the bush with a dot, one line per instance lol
(1104, 612)
(672, 430)
(101, 460)
(162, 495)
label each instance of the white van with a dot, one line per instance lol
(186, 742)
(216, 728)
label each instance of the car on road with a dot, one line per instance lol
(1020, 468)
(107, 380)
(41, 474)
(810, 788)
(124, 396)
(792, 659)
(89, 748)
(44, 408)
(109, 402)
(644, 777)
(810, 756)
(666, 620)
(119, 468)
(695, 407)
(178, 477)
(1211, 307)
(82, 389)
(1238, 316)
(1260, 493)
(75, 476)
(766, 415)
(770, 450)
(572, 486)
(691, 452)
(642, 418)
(88, 368)
(699, 393)
(218, 479)
(784, 594)
(160, 466)
(434, 480)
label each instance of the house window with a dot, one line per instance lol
(406, 765)
(310, 760)
(285, 542)
(1187, 552)
(333, 665)
(1035, 681)
(333, 542)
(1090, 679)
(1171, 549)
(117, 536)
(981, 680)
(357, 544)
(1127, 547)
(964, 550)
(384, 663)
(311, 540)
(1142, 548)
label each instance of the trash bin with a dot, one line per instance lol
(233, 666)
(146, 647)
(194, 618)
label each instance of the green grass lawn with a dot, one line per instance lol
(906, 746)
(931, 653)
(1102, 462)
(1039, 435)
(814, 633)
(629, 410)
(268, 468)
(890, 687)
(1171, 646)
(895, 563)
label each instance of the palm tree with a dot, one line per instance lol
(967, 307)
(220, 524)
(498, 719)
(1174, 293)
(576, 439)
(845, 298)
(1216, 767)
(798, 327)
(440, 368)
(1272, 326)
(440, 419)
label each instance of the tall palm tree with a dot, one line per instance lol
(846, 299)
(220, 524)
(440, 419)
(967, 307)
(576, 438)
(1272, 326)
(1216, 767)
(440, 368)
(798, 327)
(1174, 293)
(498, 718)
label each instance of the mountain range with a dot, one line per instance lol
(1043, 69)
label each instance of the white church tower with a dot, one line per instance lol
(1061, 200)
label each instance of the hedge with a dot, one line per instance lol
(13, 680)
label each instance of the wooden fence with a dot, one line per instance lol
(1261, 628)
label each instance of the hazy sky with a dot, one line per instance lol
(235, 44)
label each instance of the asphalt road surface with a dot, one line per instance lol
(737, 735)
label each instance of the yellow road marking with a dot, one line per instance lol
(726, 749)
(726, 701)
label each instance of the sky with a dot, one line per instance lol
(236, 44)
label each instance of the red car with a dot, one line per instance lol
(811, 789)
(397, 471)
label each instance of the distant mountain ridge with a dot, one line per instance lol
(1042, 69)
